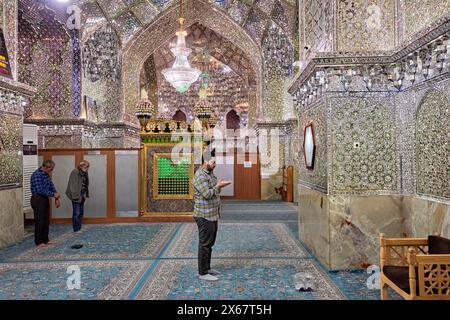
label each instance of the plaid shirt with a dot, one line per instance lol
(206, 195)
(41, 184)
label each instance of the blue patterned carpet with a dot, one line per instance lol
(257, 250)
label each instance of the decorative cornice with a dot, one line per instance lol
(312, 186)
(270, 124)
(17, 87)
(437, 29)
(81, 122)
(284, 127)
(341, 59)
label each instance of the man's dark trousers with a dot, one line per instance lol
(41, 209)
(78, 213)
(207, 231)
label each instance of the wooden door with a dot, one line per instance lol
(247, 177)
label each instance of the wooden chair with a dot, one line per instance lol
(409, 270)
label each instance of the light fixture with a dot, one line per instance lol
(144, 111)
(181, 75)
(226, 69)
(241, 105)
(203, 109)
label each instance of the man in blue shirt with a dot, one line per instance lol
(42, 188)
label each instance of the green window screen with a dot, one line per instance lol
(173, 178)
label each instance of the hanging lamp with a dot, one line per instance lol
(181, 75)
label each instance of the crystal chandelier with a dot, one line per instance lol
(181, 75)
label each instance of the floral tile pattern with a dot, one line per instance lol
(10, 143)
(432, 145)
(372, 166)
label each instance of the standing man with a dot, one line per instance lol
(42, 188)
(206, 213)
(78, 191)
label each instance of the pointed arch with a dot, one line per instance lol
(432, 146)
(232, 120)
(161, 29)
(179, 116)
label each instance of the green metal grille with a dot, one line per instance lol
(173, 178)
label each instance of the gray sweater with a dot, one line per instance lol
(74, 186)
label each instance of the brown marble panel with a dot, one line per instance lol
(416, 215)
(439, 218)
(313, 220)
(355, 225)
(423, 217)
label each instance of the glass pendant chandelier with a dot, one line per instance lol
(181, 75)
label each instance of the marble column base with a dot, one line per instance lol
(11, 217)
(314, 226)
(355, 225)
(343, 231)
(424, 217)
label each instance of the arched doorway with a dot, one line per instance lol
(150, 38)
(233, 121)
(206, 23)
(179, 116)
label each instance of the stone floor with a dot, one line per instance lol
(257, 250)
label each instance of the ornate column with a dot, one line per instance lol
(362, 107)
(12, 97)
(10, 31)
(76, 72)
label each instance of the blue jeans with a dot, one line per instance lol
(78, 212)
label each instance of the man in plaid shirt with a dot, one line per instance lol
(206, 213)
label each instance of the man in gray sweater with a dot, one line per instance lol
(78, 191)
